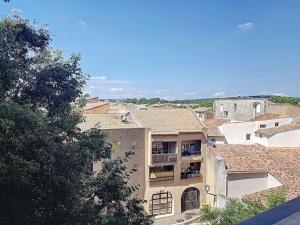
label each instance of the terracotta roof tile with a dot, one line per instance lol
(107, 121)
(168, 121)
(214, 132)
(215, 122)
(282, 163)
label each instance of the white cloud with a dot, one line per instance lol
(281, 94)
(116, 89)
(191, 93)
(219, 94)
(163, 91)
(15, 11)
(246, 26)
(99, 78)
(82, 23)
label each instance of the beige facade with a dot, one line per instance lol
(170, 149)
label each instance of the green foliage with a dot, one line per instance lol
(146, 101)
(285, 100)
(275, 199)
(237, 210)
(45, 159)
(204, 103)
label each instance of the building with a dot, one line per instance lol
(253, 171)
(204, 113)
(247, 132)
(280, 136)
(170, 148)
(239, 109)
(214, 134)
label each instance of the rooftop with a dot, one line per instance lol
(168, 121)
(268, 116)
(202, 109)
(274, 130)
(107, 121)
(215, 122)
(282, 163)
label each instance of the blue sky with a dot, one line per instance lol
(176, 49)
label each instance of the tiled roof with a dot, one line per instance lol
(282, 163)
(107, 121)
(202, 109)
(267, 116)
(162, 121)
(93, 105)
(214, 122)
(274, 130)
(214, 132)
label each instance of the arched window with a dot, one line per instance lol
(161, 203)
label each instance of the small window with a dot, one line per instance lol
(235, 107)
(263, 126)
(225, 114)
(276, 124)
(248, 137)
(257, 108)
(221, 108)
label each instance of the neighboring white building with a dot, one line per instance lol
(245, 132)
(283, 136)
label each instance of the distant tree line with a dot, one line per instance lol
(285, 100)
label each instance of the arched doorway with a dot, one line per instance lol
(190, 199)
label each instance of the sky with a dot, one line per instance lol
(176, 49)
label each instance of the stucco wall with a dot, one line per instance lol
(130, 139)
(177, 186)
(242, 184)
(285, 139)
(244, 110)
(235, 132)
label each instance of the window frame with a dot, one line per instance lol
(161, 201)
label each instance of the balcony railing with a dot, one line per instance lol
(164, 158)
(190, 174)
(161, 175)
(190, 152)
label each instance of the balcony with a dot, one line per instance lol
(190, 174)
(190, 148)
(164, 158)
(190, 170)
(162, 173)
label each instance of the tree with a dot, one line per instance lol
(45, 159)
(237, 211)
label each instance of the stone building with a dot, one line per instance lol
(239, 109)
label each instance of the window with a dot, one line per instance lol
(159, 147)
(248, 136)
(235, 107)
(262, 126)
(257, 108)
(161, 203)
(225, 114)
(221, 108)
(276, 124)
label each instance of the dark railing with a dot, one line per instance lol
(190, 152)
(190, 174)
(164, 158)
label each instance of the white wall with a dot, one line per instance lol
(246, 183)
(235, 132)
(285, 139)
